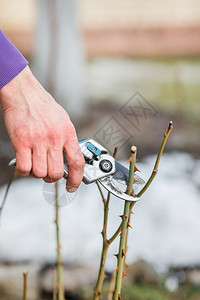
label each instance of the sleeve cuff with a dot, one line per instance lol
(12, 61)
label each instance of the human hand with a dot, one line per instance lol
(40, 131)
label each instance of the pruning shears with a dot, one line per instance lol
(102, 167)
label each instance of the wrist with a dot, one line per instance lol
(16, 87)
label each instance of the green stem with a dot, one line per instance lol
(155, 169)
(121, 254)
(101, 274)
(125, 218)
(154, 172)
(101, 193)
(117, 232)
(54, 284)
(59, 257)
(126, 242)
(25, 285)
(112, 286)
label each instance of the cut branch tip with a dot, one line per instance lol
(133, 149)
(170, 125)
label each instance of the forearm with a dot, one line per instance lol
(39, 128)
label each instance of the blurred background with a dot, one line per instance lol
(123, 70)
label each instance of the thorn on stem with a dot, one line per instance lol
(136, 169)
(103, 231)
(116, 255)
(117, 269)
(124, 274)
(121, 233)
(123, 253)
(58, 248)
(119, 297)
(128, 225)
(130, 160)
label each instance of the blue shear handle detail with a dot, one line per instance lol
(83, 141)
(92, 148)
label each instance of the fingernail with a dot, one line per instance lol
(71, 189)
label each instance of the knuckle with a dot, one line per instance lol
(81, 163)
(38, 137)
(55, 175)
(76, 165)
(77, 161)
(22, 142)
(39, 173)
(22, 169)
(21, 137)
(71, 132)
(54, 136)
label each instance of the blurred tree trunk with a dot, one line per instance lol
(59, 61)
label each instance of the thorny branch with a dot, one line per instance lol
(113, 237)
(125, 224)
(101, 274)
(60, 287)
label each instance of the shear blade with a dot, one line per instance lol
(109, 185)
(121, 175)
(12, 163)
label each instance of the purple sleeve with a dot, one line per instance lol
(12, 61)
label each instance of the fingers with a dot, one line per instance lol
(45, 160)
(39, 165)
(55, 165)
(75, 161)
(24, 162)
